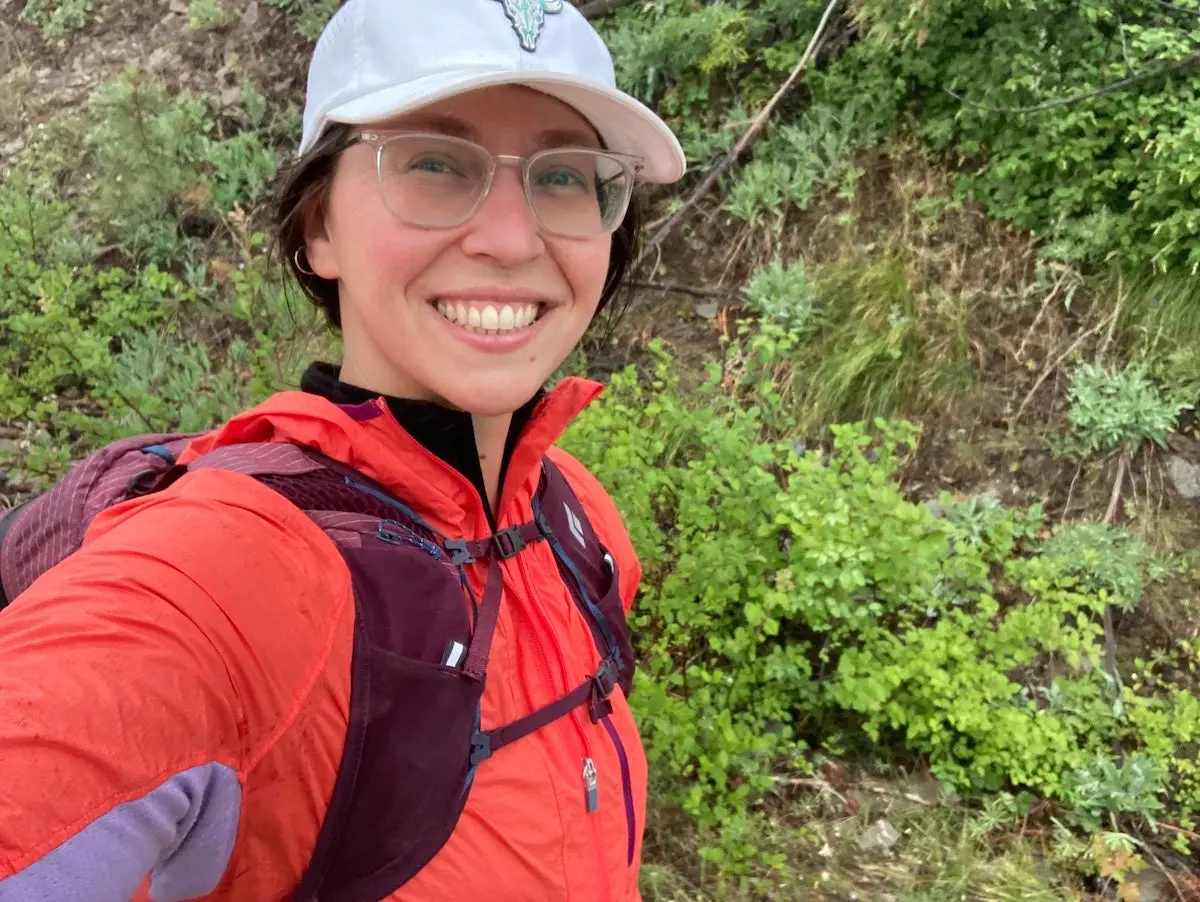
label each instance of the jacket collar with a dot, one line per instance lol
(370, 438)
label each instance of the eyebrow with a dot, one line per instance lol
(456, 128)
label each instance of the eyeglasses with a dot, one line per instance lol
(440, 182)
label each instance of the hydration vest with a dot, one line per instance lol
(422, 637)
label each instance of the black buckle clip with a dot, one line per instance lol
(508, 542)
(603, 683)
(481, 748)
(460, 555)
(605, 679)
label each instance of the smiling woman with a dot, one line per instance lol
(389, 658)
(417, 219)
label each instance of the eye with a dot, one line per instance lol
(435, 165)
(561, 177)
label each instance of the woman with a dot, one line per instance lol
(366, 641)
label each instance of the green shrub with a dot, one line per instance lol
(205, 14)
(783, 294)
(1115, 408)
(794, 601)
(57, 18)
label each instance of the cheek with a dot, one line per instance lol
(585, 265)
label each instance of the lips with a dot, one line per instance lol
(489, 319)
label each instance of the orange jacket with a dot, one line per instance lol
(207, 629)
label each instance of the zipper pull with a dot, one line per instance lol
(591, 789)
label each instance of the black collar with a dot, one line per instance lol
(448, 434)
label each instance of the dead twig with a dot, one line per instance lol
(1194, 837)
(1041, 313)
(751, 133)
(1110, 635)
(810, 783)
(1070, 492)
(1053, 366)
(1115, 498)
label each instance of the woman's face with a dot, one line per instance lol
(393, 277)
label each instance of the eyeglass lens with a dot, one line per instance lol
(437, 182)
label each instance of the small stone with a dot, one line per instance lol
(879, 838)
(250, 16)
(1151, 886)
(707, 310)
(159, 60)
(178, 6)
(1185, 476)
(231, 96)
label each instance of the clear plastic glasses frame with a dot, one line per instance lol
(612, 172)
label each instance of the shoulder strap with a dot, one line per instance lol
(6, 524)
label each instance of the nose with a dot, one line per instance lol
(504, 228)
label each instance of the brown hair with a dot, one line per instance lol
(303, 189)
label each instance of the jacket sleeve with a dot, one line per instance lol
(606, 520)
(140, 679)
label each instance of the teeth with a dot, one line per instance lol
(489, 320)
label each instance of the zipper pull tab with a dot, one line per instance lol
(591, 789)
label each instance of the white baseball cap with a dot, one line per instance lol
(377, 59)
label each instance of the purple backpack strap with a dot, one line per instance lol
(51, 526)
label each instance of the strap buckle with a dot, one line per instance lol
(460, 554)
(604, 681)
(481, 748)
(508, 542)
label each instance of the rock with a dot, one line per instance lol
(178, 6)
(250, 16)
(160, 59)
(231, 96)
(707, 310)
(1185, 476)
(879, 838)
(1151, 886)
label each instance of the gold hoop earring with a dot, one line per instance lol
(299, 267)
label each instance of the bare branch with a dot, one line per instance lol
(1080, 98)
(1124, 45)
(1177, 9)
(751, 133)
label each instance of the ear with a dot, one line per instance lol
(322, 259)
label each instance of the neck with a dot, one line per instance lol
(491, 434)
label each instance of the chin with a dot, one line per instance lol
(490, 401)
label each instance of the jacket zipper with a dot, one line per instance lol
(626, 785)
(591, 785)
(588, 608)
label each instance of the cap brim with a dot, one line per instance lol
(625, 124)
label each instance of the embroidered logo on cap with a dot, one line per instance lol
(528, 17)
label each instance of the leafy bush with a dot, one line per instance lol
(792, 600)
(1110, 177)
(57, 18)
(1112, 408)
(205, 14)
(1101, 790)
(783, 294)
